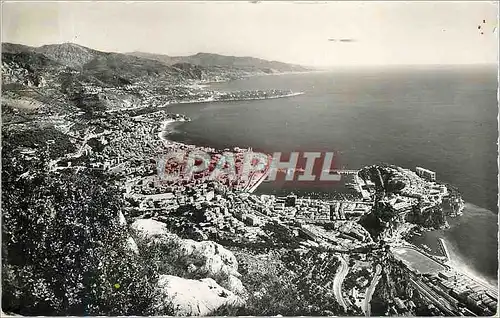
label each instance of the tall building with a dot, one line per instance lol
(290, 200)
(426, 174)
(333, 211)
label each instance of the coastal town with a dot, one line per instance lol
(204, 209)
(81, 125)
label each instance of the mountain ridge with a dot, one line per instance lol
(93, 80)
(76, 56)
(215, 59)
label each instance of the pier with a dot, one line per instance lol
(250, 188)
(444, 248)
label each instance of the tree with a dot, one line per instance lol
(63, 251)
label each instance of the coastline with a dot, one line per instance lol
(203, 85)
(455, 237)
(461, 267)
(163, 134)
(211, 99)
(294, 72)
(215, 100)
(457, 266)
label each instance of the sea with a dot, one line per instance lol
(443, 118)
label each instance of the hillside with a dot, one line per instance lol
(16, 48)
(76, 56)
(70, 54)
(102, 214)
(157, 57)
(118, 68)
(92, 80)
(28, 65)
(210, 59)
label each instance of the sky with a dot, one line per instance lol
(380, 33)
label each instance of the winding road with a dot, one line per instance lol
(370, 290)
(338, 280)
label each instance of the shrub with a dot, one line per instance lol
(290, 283)
(63, 252)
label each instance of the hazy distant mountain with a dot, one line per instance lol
(209, 59)
(158, 57)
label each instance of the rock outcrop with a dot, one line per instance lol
(189, 297)
(204, 259)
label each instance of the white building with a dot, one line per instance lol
(426, 174)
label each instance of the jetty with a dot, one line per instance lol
(444, 248)
(253, 185)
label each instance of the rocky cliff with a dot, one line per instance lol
(205, 260)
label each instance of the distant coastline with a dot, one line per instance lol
(212, 99)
